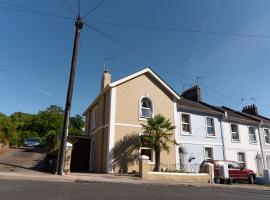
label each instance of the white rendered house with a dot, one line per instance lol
(242, 140)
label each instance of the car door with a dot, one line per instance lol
(234, 170)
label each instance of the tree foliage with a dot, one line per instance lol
(158, 132)
(46, 124)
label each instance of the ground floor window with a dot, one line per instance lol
(148, 152)
(208, 153)
(241, 159)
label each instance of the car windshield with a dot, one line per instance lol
(32, 140)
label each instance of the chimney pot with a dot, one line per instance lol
(193, 93)
(250, 109)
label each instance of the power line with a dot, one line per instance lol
(79, 7)
(181, 30)
(18, 8)
(138, 51)
(70, 8)
(96, 7)
(156, 61)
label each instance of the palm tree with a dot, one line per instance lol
(158, 132)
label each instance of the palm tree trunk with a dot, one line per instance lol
(157, 160)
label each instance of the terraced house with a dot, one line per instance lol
(114, 118)
(199, 132)
(241, 139)
(264, 132)
(203, 131)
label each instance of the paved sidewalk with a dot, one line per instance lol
(110, 178)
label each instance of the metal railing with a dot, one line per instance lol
(178, 168)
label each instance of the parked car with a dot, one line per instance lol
(32, 142)
(236, 171)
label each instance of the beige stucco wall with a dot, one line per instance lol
(100, 152)
(128, 97)
(100, 133)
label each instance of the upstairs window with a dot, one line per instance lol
(146, 108)
(252, 135)
(235, 134)
(94, 118)
(186, 126)
(267, 136)
(210, 125)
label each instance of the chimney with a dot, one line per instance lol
(106, 79)
(251, 109)
(193, 93)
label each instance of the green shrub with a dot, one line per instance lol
(14, 138)
(50, 141)
(3, 139)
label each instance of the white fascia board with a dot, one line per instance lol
(146, 70)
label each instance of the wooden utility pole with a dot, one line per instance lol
(61, 154)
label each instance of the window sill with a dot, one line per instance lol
(186, 134)
(144, 118)
(211, 136)
(267, 144)
(235, 141)
(253, 143)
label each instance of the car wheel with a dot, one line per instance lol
(251, 179)
(217, 180)
(221, 181)
(229, 181)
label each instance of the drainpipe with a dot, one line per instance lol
(222, 118)
(259, 130)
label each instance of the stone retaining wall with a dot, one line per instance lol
(3, 147)
(180, 177)
(167, 176)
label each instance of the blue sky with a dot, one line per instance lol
(36, 50)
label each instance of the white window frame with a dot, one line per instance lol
(181, 123)
(237, 127)
(206, 127)
(266, 159)
(204, 152)
(142, 118)
(94, 118)
(153, 161)
(250, 142)
(264, 131)
(245, 158)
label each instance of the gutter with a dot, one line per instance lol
(259, 131)
(222, 134)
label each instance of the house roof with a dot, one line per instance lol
(264, 120)
(238, 116)
(153, 74)
(132, 76)
(197, 106)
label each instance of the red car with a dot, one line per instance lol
(236, 172)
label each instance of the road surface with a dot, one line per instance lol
(27, 190)
(21, 160)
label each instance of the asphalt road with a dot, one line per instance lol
(23, 190)
(24, 160)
